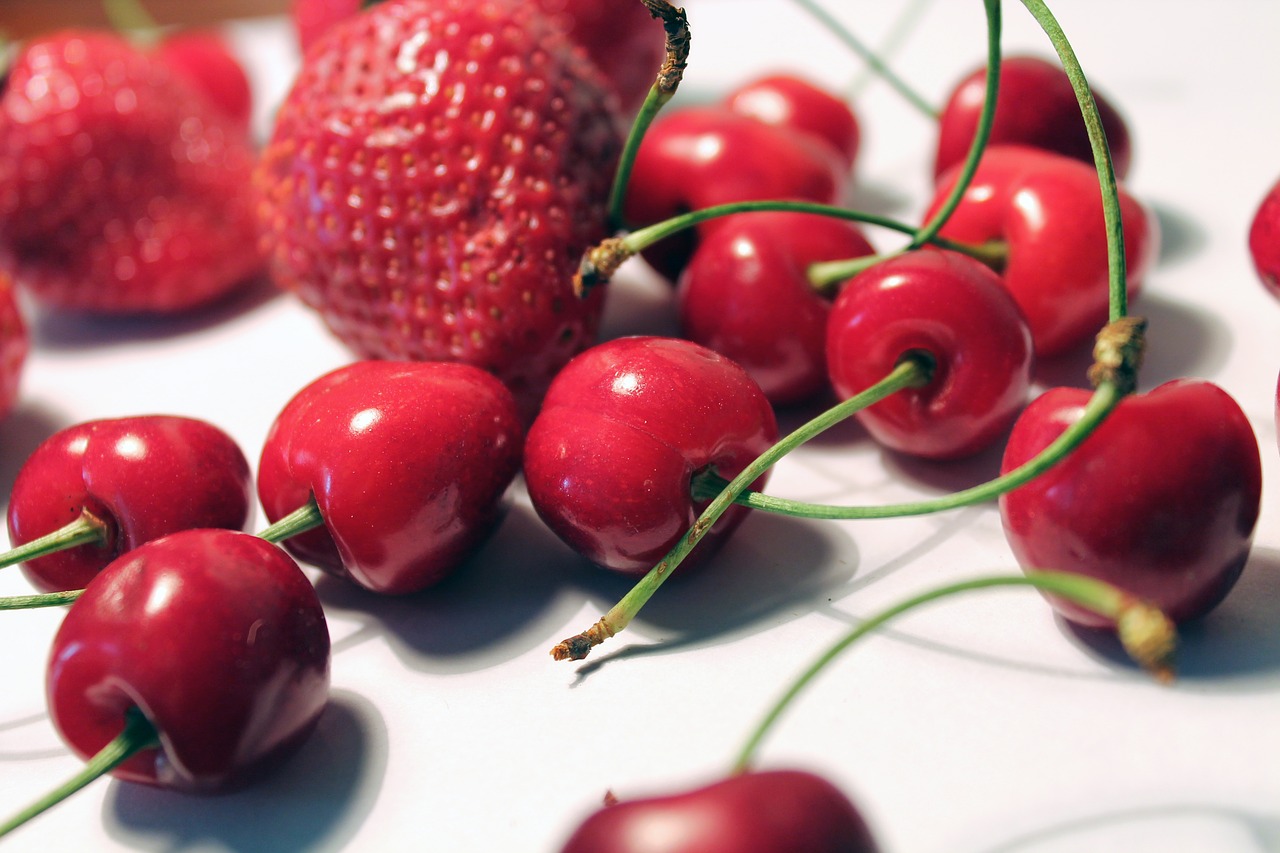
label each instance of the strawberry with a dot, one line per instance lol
(122, 187)
(433, 178)
(618, 35)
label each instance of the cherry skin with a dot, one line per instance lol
(143, 477)
(703, 156)
(624, 428)
(746, 295)
(1036, 107)
(1264, 240)
(796, 103)
(408, 463)
(777, 811)
(216, 636)
(15, 342)
(1161, 500)
(206, 60)
(1047, 210)
(953, 308)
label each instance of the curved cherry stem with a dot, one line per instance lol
(664, 87)
(1147, 634)
(87, 529)
(1101, 154)
(138, 734)
(846, 37)
(913, 370)
(302, 519)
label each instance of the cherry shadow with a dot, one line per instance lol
(21, 432)
(1181, 236)
(323, 794)
(949, 475)
(639, 302)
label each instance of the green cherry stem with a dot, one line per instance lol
(138, 734)
(302, 519)
(130, 17)
(676, 26)
(1147, 634)
(913, 370)
(44, 599)
(87, 529)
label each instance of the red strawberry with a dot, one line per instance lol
(619, 35)
(434, 177)
(122, 188)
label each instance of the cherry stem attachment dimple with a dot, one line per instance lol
(138, 734)
(1147, 634)
(86, 529)
(302, 519)
(913, 370)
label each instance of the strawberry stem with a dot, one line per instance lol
(1147, 634)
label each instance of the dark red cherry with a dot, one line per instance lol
(408, 463)
(143, 477)
(803, 106)
(1161, 500)
(14, 340)
(624, 428)
(216, 636)
(777, 811)
(1047, 211)
(953, 309)
(205, 58)
(1264, 240)
(1036, 107)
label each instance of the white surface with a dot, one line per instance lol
(980, 725)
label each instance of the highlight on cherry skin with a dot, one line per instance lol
(134, 479)
(625, 427)
(794, 102)
(407, 464)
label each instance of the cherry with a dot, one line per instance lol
(703, 156)
(14, 339)
(204, 58)
(1036, 107)
(1161, 500)
(776, 811)
(953, 310)
(407, 463)
(216, 637)
(1047, 212)
(746, 295)
(138, 478)
(623, 430)
(796, 103)
(1264, 240)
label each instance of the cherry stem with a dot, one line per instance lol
(44, 599)
(88, 529)
(913, 370)
(302, 519)
(1147, 634)
(130, 17)
(676, 26)
(841, 32)
(1101, 154)
(138, 734)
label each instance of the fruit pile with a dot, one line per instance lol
(434, 175)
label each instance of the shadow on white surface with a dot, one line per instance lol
(21, 432)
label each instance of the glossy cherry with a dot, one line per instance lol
(624, 428)
(697, 157)
(15, 343)
(142, 477)
(1036, 107)
(407, 461)
(746, 294)
(205, 58)
(216, 636)
(1264, 240)
(1046, 210)
(1161, 500)
(954, 310)
(776, 811)
(801, 105)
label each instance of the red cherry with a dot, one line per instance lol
(408, 462)
(144, 477)
(1037, 107)
(624, 428)
(703, 156)
(802, 106)
(955, 310)
(14, 344)
(205, 59)
(1047, 210)
(215, 636)
(746, 295)
(1264, 240)
(778, 811)
(1161, 500)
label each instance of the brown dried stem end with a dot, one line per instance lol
(1149, 637)
(676, 25)
(1117, 355)
(579, 646)
(599, 264)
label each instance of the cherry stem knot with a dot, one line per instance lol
(1117, 353)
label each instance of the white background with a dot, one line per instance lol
(981, 725)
